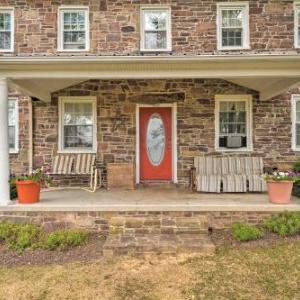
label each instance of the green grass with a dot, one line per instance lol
(260, 274)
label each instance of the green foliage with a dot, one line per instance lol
(27, 236)
(64, 239)
(296, 189)
(284, 224)
(245, 232)
(297, 166)
(19, 237)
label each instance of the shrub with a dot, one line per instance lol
(20, 236)
(244, 232)
(284, 224)
(64, 239)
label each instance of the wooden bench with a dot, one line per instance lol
(77, 164)
(229, 174)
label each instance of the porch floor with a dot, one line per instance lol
(150, 199)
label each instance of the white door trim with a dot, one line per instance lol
(174, 138)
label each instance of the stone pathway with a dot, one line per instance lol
(118, 244)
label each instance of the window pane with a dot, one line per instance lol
(5, 21)
(232, 37)
(78, 114)
(155, 20)
(298, 134)
(156, 40)
(11, 113)
(232, 18)
(12, 137)
(5, 40)
(78, 136)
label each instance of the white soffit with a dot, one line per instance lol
(40, 76)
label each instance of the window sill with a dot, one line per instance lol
(234, 150)
(14, 151)
(79, 151)
(72, 51)
(6, 50)
(155, 50)
(234, 48)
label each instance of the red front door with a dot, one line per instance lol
(155, 143)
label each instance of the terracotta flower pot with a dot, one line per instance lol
(280, 191)
(28, 191)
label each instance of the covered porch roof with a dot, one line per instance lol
(270, 74)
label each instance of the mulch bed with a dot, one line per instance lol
(92, 250)
(223, 238)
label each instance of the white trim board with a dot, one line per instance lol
(295, 98)
(60, 31)
(11, 11)
(173, 107)
(249, 118)
(244, 7)
(72, 99)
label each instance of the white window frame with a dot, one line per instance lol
(244, 6)
(77, 99)
(249, 121)
(168, 28)
(12, 28)
(295, 98)
(60, 41)
(296, 24)
(15, 150)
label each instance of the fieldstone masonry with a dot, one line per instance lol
(116, 122)
(115, 26)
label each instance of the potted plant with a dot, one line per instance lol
(29, 186)
(280, 186)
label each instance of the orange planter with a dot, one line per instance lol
(28, 191)
(280, 192)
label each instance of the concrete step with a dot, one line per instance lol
(120, 244)
(159, 185)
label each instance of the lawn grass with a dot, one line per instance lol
(262, 273)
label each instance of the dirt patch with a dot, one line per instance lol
(92, 250)
(224, 238)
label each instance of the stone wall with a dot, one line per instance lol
(116, 121)
(115, 26)
(19, 162)
(136, 223)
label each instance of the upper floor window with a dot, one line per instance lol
(73, 29)
(233, 25)
(155, 29)
(233, 122)
(6, 29)
(78, 125)
(13, 125)
(296, 122)
(297, 24)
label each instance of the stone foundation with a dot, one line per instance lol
(137, 223)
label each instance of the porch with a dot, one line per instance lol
(150, 199)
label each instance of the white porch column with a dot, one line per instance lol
(4, 147)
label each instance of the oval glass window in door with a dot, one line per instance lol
(156, 139)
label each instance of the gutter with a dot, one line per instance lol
(148, 59)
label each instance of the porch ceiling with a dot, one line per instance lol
(270, 75)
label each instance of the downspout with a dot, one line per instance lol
(30, 136)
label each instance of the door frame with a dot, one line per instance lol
(173, 107)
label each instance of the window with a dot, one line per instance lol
(78, 124)
(296, 122)
(6, 29)
(233, 122)
(13, 124)
(233, 25)
(155, 29)
(297, 24)
(73, 29)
